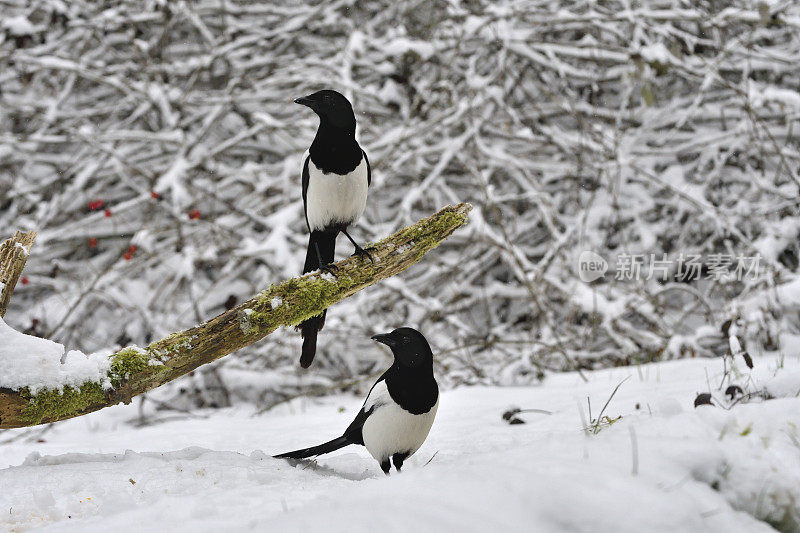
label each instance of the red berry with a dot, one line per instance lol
(93, 242)
(24, 280)
(154, 195)
(107, 213)
(194, 214)
(128, 256)
(132, 248)
(97, 204)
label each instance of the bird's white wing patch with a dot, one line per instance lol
(306, 154)
(378, 396)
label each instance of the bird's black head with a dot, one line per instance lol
(409, 346)
(332, 107)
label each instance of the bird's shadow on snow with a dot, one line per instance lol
(350, 471)
(323, 470)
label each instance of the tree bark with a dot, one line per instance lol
(137, 370)
(13, 256)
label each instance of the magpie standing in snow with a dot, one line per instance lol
(336, 175)
(400, 407)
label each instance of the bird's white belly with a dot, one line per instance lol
(332, 199)
(391, 429)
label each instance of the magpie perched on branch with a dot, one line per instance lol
(336, 175)
(400, 407)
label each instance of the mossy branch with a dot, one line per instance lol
(134, 371)
(13, 256)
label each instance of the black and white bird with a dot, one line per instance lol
(336, 175)
(400, 407)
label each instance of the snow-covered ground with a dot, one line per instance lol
(664, 466)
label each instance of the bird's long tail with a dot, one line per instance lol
(325, 243)
(327, 447)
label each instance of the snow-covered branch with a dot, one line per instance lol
(134, 370)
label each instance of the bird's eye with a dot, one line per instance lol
(406, 340)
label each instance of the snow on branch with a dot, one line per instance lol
(134, 370)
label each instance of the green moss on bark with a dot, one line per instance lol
(48, 405)
(171, 345)
(304, 297)
(52, 405)
(126, 363)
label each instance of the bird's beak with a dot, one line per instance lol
(306, 101)
(384, 339)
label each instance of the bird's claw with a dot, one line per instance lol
(330, 269)
(361, 252)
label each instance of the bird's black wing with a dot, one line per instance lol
(353, 431)
(305, 189)
(369, 168)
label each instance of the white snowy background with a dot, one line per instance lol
(155, 148)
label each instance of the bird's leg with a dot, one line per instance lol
(386, 466)
(324, 267)
(359, 250)
(398, 459)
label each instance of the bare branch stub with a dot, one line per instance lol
(13, 256)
